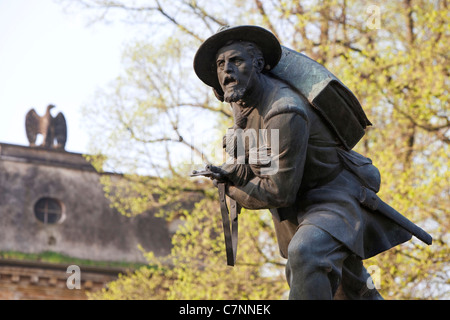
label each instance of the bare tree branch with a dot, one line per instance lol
(266, 18)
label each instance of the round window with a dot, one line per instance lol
(48, 210)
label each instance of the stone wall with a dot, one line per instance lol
(88, 229)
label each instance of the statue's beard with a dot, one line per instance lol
(241, 92)
(235, 94)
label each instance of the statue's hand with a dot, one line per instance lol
(218, 174)
(232, 174)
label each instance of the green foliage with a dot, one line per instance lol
(158, 119)
(196, 267)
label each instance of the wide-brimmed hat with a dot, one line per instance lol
(205, 58)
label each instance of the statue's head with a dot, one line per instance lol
(230, 60)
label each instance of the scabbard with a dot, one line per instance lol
(230, 230)
(370, 199)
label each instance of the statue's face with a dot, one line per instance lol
(234, 71)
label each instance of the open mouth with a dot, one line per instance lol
(229, 80)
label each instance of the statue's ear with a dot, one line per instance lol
(259, 64)
(218, 94)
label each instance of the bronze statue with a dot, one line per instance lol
(53, 129)
(289, 151)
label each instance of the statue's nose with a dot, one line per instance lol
(228, 67)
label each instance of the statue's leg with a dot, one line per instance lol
(356, 281)
(314, 267)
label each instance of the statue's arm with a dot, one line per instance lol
(278, 187)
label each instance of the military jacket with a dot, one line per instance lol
(310, 178)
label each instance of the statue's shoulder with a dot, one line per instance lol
(286, 100)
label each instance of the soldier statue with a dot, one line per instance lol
(300, 165)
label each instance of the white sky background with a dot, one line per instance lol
(50, 57)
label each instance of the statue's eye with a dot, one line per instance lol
(220, 64)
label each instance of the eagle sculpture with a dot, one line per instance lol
(53, 129)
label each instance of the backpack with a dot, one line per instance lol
(326, 93)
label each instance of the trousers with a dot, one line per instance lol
(319, 267)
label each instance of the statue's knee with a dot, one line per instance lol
(300, 253)
(305, 250)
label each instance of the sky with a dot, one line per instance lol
(49, 56)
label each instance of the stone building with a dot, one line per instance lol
(51, 202)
